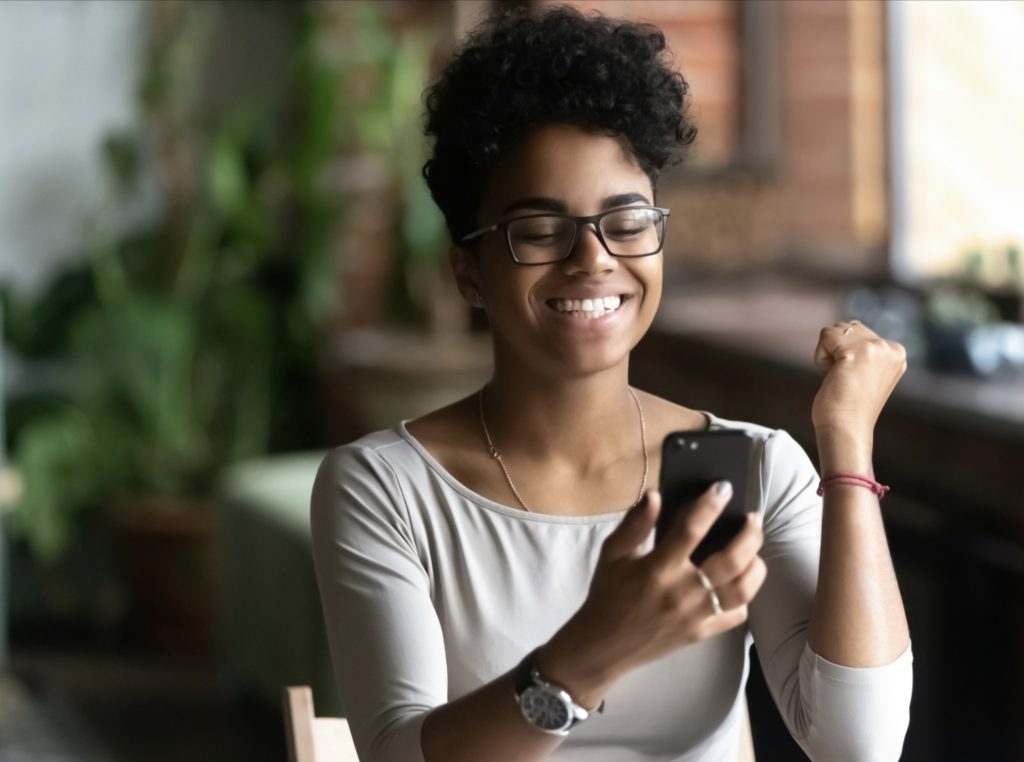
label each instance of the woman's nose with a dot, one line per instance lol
(588, 253)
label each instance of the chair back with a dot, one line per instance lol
(746, 737)
(311, 738)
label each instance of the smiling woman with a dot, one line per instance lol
(488, 571)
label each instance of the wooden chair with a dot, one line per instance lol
(746, 738)
(311, 738)
(319, 739)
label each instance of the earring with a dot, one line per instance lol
(478, 299)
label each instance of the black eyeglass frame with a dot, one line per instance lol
(593, 219)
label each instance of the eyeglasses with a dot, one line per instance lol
(539, 239)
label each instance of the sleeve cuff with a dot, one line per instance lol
(856, 675)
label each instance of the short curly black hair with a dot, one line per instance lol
(516, 72)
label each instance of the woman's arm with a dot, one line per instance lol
(829, 625)
(833, 711)
(858, 618)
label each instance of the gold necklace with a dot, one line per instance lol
(508, 477)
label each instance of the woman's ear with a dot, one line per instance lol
(467, 275)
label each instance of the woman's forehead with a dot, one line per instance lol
(566, 164)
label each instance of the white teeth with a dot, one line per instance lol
(588, 308)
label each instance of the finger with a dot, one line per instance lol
(741, 589)
(900, 353)
(824, 348)
(732, 560)
(833, 340)
(634, 528)
(716, 624)
(823, 359)
(693, 523)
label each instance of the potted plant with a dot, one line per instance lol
(192, 342)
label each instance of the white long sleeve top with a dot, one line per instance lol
(430, 590)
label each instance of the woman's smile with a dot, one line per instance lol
(589, 316)
(587, 308)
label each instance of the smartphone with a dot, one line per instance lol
(691, 461)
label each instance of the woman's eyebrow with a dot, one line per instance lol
(624, 199)
(548, 204)
(543, 203)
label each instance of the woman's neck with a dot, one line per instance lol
(581, 421)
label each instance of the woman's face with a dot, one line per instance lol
(564, 169)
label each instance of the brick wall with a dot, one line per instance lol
(821, 200)
(703, 36)
(832, 169)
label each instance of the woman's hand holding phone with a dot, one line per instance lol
(642, 606)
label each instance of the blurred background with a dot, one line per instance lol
(217, 260)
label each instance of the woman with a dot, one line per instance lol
(488, 574)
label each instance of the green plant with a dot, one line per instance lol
(385, 67)
(191, 342)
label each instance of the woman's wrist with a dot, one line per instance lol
(567, 661)
(843, 450)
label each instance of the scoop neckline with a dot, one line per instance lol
(507, 510)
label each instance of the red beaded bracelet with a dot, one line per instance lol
(856, 480)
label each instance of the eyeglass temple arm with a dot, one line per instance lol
(478, 233)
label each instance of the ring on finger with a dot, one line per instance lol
(848, 330)
(716, 604)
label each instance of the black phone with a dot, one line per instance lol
(691, 461)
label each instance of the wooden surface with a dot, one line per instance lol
(311, 738)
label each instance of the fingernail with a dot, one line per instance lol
(723, 489)
(757, 518)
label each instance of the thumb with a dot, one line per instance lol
(633, 529)
(823, 358)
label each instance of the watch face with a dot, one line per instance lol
(545, 709)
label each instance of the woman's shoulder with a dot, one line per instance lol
(449, 427)
(408, 451)
(777, 448)
(369, 449)
(756, 430)
(373, 466)
(675, 417)
(664, 416)
(453, 438)
(775, 445)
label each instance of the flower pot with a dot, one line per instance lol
(166, 560)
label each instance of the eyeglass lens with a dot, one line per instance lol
(626, 232)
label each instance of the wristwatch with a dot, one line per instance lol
(546, 706)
